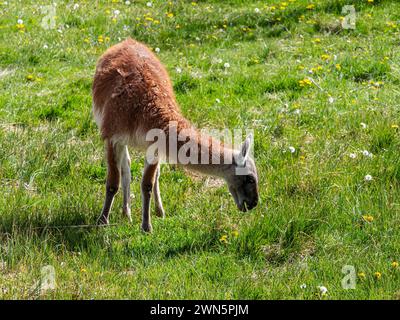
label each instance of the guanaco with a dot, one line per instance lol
(132, 94)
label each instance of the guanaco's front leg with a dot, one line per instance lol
(157, 196)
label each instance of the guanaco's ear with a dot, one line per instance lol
(244, 150)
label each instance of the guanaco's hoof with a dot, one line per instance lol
(160, 213)
(127, 213)
(102, 221)
(147, 228)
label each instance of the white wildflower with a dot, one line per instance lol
(363, 125)
(227, 65)
(323, 290)
(352, 155)
(20, 21)
(157, 50)
(256, 10)
(367, 153)
(303, 286)
(149, 4)
(292, 149)
(368, 177)
(178, 70)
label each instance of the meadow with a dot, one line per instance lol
(322, 101)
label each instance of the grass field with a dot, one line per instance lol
(322, 101)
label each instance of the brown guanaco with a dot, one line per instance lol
(132, 94)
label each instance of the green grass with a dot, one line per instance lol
(309, 222)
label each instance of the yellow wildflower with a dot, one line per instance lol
(368, 218)
(378, 275)
(325, 57)
(361, 275)
(305, 82)
(20, 26)
(224, 239)
(395, 264)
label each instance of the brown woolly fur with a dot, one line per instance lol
(132, 91)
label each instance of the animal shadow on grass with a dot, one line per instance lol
(76, 231)
(73, 229)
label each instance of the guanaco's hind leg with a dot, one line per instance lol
(112, 183)
(148, 180)
(118, 166)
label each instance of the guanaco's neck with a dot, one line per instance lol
(197, 150)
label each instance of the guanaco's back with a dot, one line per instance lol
(132, 92)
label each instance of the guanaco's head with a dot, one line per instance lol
(243, 180)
